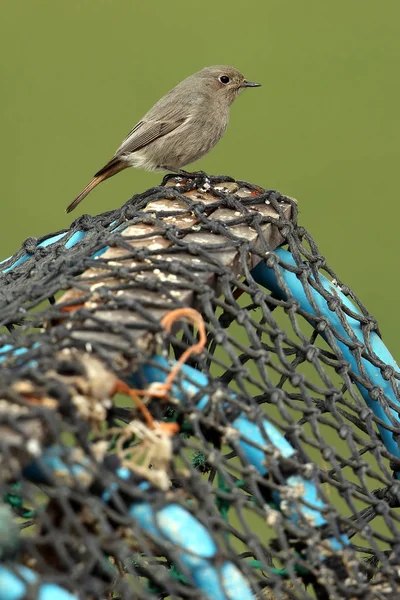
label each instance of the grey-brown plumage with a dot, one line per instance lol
(180, 128)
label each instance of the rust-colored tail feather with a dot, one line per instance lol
(114, 166)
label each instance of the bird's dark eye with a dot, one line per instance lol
(224, 79)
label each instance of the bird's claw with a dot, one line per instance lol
(196, 175)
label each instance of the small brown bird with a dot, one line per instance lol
(180, 128)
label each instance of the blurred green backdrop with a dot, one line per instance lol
(324, 127)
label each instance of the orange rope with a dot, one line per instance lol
(167, 322)
(192, 316)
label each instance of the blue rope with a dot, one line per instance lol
(291, 286)
(172, 524)
(14, 585)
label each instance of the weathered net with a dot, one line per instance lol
(187, 412)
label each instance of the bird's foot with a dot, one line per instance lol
(184, 174)
(196, 174)
(167, 177)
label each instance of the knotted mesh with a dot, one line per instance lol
(188, 412)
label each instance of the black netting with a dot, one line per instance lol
(188, 412)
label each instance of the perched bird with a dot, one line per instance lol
(180, 128)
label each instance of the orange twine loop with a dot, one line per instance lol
(194, 317)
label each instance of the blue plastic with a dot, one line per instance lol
(221, 583)
(195, 549)
(171, 524)
(252, 431)
(305, 489)
(47, 242)
(267, 278)
(51, 463)
(175, 524)
(13, 587)
(158, 371)
(73, 240)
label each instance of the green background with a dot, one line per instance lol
(324, 128)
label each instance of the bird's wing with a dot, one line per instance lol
(145, 132)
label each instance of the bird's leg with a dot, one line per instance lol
(192, 174)
(182, 173)
(171, 174)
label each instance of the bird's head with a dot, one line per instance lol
(226, 82)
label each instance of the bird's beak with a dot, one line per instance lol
(250, 84)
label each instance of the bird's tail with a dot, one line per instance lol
(111, 168)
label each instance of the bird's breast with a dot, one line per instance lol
(187, 143)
